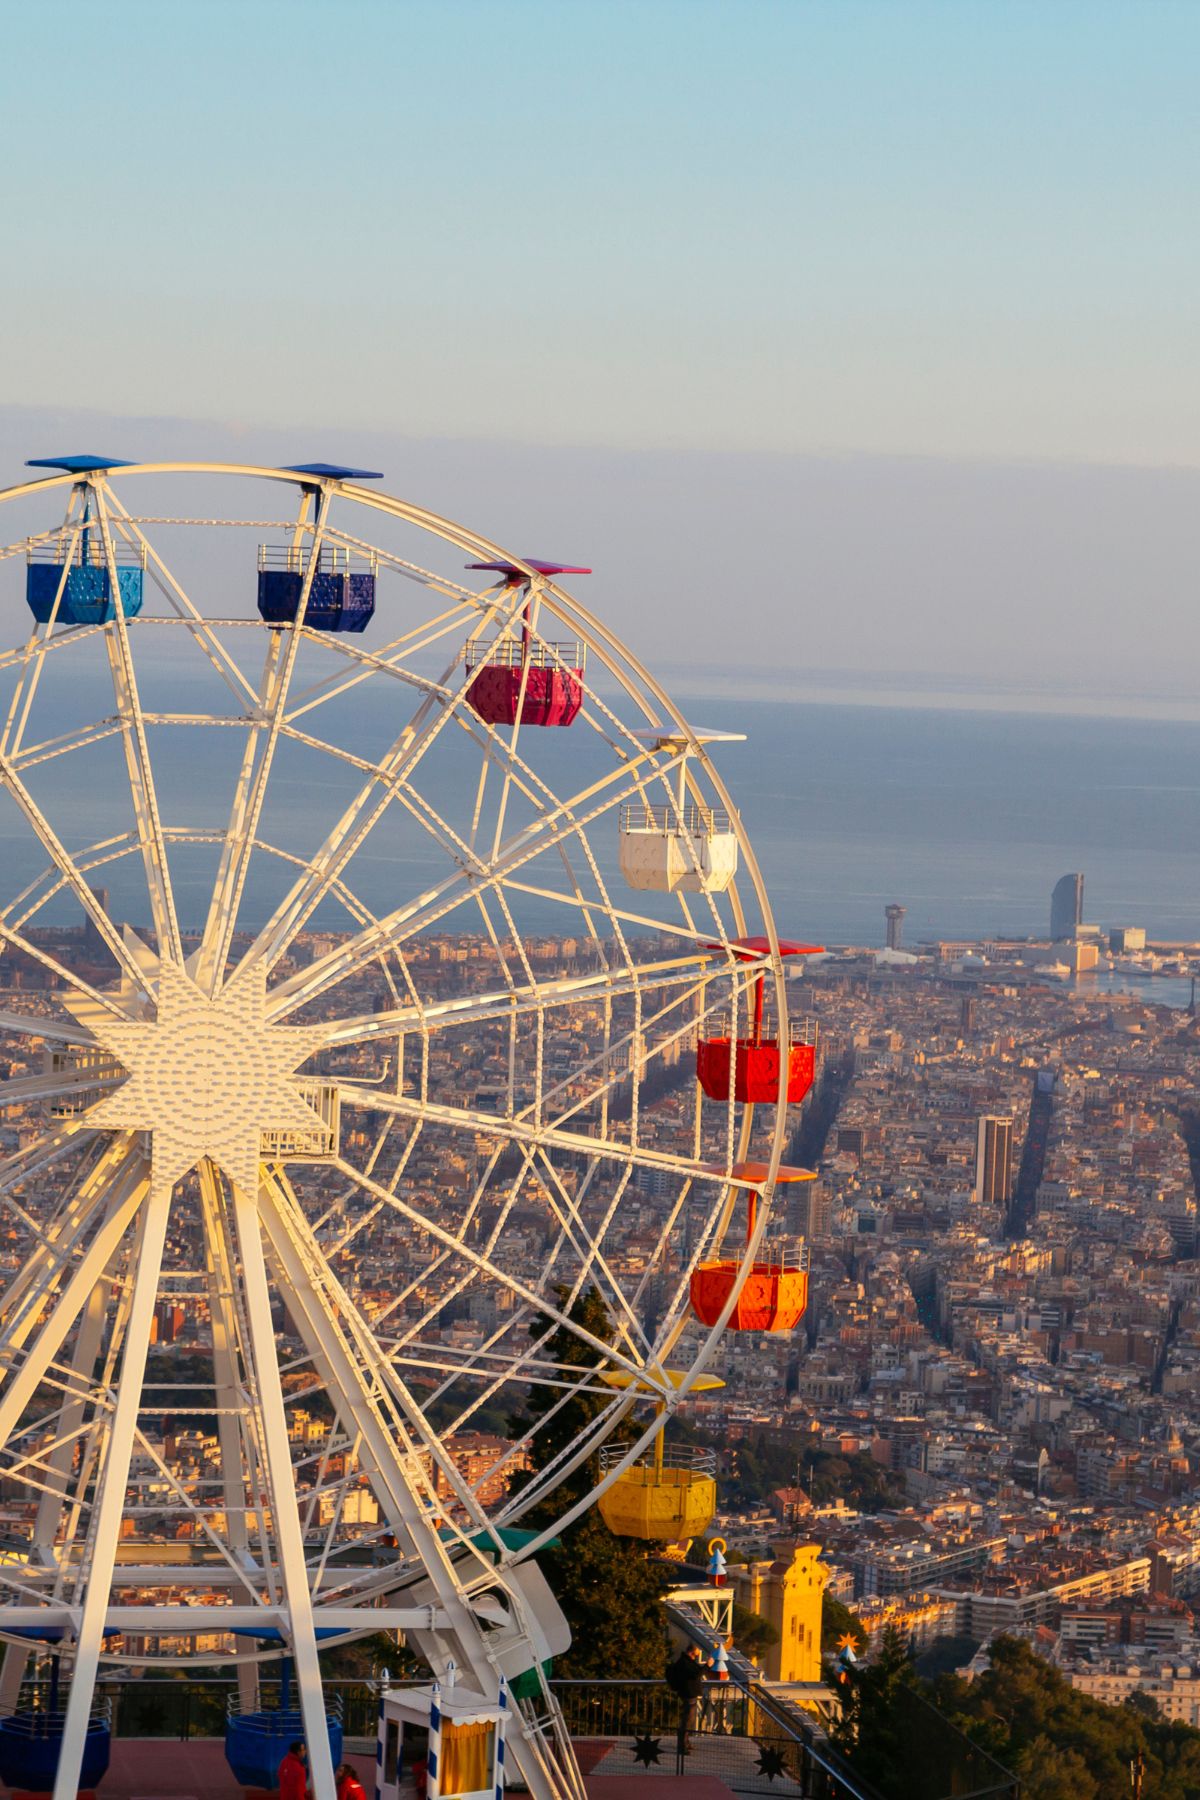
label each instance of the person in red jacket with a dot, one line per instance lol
(349, 1787)
(293, 1772)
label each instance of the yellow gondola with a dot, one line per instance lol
(670, 1494)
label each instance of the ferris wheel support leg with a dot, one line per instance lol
(281, 1486)
(114, 1480)
(70, 1418)
(52, 1503)
(56, 1243)
(230, 1397)
(324, 1335)
(91, 1266)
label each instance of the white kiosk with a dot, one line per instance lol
(440, 1743)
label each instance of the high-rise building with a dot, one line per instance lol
(1066, 906)
(92, 938)
(895, 925)
(808, 1211)
(966, 1014)
(993, 1161)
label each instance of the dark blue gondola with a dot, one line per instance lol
(31, 1738)
(256, 1742)
(30, 1746)
(342, 596)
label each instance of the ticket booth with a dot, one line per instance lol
(440, 1742)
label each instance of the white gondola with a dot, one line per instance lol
(678, 848)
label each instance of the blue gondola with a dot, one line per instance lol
(87, 590)
(30, 1744)
(342, 596)
(256, 1743)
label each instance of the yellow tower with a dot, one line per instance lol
(788, 1592)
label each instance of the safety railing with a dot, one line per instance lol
(737, 1733)
(678, 821)
(699, 1460)
(511, 653)
(150, 1707)
(89, 550)
(800, 1030)
(332, 559)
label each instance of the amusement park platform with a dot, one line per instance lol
(195, 1769)
(657, 1787)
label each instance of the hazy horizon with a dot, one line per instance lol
(928, 582)
(853, 346)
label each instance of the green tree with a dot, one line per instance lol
(752, 1635)
(606, 1585)
(838, 1622)
(872, 1729)
(1052, 1771)
(1062, 1742)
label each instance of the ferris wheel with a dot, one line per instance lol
(386, 972)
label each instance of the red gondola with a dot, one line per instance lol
(537, 683)
(751, 1067)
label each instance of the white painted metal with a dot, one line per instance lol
(661, 854)
(187, 1068)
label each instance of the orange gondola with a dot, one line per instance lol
(775, 1292)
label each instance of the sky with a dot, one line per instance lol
(879, 315)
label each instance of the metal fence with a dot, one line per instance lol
(182, 1709)
(754, 1741)
(740, 1735)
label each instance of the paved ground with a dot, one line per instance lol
(165, 1769)
(732, 1763)
(658, 1787)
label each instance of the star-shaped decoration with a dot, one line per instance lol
(647, 1750)
(770, 1762)
(206, 1076)
(847, 1641)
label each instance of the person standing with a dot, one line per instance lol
(293, 1772)
(349, 1787)
(685, 1677)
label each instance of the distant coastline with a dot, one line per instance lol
(922, 691)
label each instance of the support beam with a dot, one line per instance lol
(229, 1394)
(114, 1479)
(282, 1492)
(175, 1619)
(326, 1337)
(22, 1386)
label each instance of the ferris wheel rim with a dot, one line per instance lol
(620, 660)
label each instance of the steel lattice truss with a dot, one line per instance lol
(371, 1176)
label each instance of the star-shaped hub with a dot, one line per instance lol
(206, 1076)
(647, 1750)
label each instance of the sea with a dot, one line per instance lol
(967, 818)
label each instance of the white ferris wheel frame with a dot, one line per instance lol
(100, 1258)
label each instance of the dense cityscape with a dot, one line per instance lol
(987, 1419)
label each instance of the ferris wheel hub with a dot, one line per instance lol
(207, 1076)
